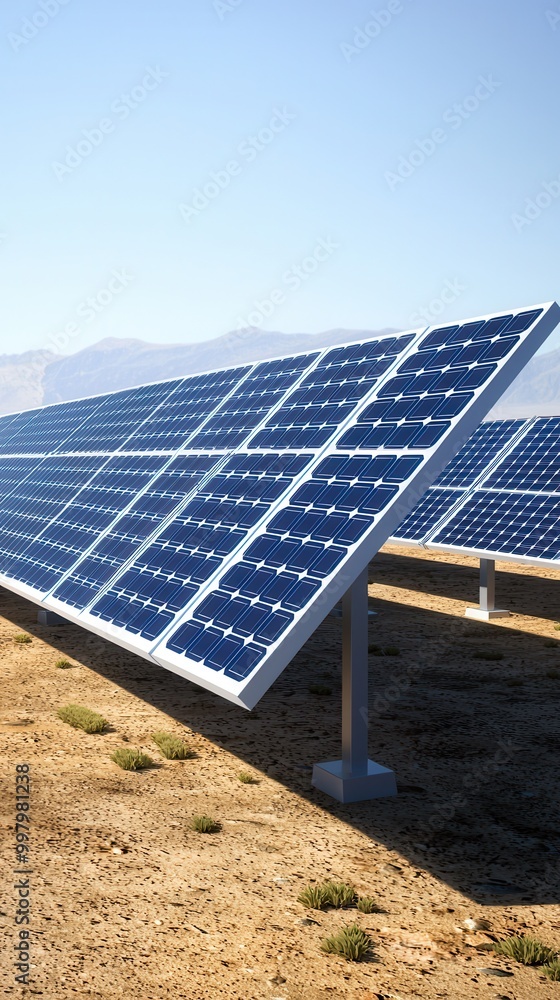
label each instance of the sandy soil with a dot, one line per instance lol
(127, 901)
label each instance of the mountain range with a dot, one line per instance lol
(37, 377)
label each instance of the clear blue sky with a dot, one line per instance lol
(349, 96)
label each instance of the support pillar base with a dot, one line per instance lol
(485, 615)
(376, 784)
(49, 618)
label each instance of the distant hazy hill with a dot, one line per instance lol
(37, 377)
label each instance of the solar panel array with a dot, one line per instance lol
(500, 497)
(210, 522)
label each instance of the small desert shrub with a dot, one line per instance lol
(172, 747)
(339, 894)
(318, 897)
(22, 638)
(131, 760)
(314, 897)
(366, 904)
(527, 950)
(82, 718)
(375, 650)
(551, 643)
(205, 824)
(552, 970)
(557, 626)
(392, 651)
(514, 682)
(487, 654)
(63, 664)
(553, 674)
(319, 689)
(247, 779)
(351, 942)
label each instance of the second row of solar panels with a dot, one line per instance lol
(500, 496)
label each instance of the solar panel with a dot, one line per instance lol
(514, 510)
(472, 461)
(209, 523)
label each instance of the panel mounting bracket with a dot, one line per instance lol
(487, 595)
(355, 777)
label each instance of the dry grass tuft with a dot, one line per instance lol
(131, 760)
(172, 747)
(205, 824)
(247, 779)
(82, 718)
(351, 942)
(527, 950)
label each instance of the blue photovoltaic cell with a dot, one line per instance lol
(250, 403)
(515, 510)
(427, 513)
(328, 394)
(77, 526)
(184, 410)
(116, 417)
(533, 465)
(473, 459)
(197, 520)
(131, 530)
(41, 496)
(415, 408)
(506, 523)
(13, 471)
(41, 431)
(256, 600)
(161, 581)
(480, 450)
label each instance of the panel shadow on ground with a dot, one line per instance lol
(473, 741)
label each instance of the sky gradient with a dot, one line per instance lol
(176, 171)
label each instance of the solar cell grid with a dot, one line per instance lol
(184, 410)
(168, 573)
(504, 523)
(533, 465)
(281, 480)
(36, 500)
(144, 516)
(77, 526)
(449, 488)
(251, 402)
(43, 430)
(415, 408)
(328, 394)
(116, 417)
(514, 511)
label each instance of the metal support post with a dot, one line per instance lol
(354, 777)
(45, 617)
(487, 594)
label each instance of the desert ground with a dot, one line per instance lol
(128, 901)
